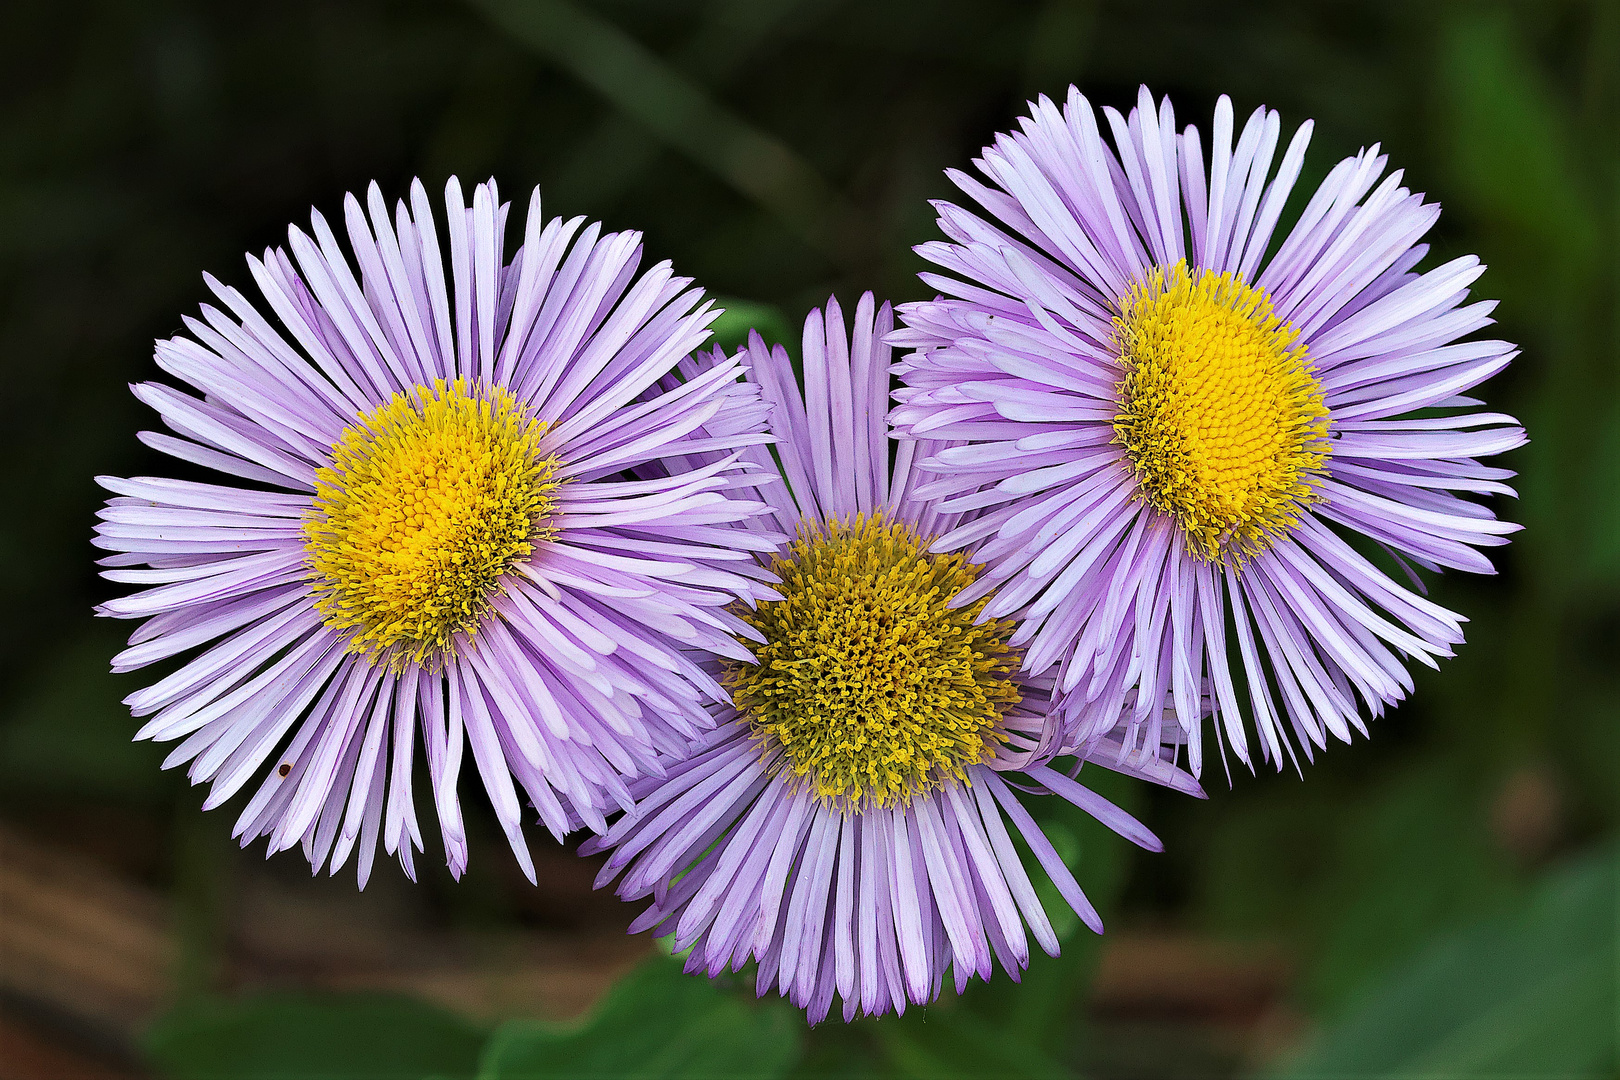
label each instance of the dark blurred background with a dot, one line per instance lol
(1436, 901)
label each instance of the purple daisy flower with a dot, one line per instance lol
(1185, 437)
(845, 823)
(464, 512)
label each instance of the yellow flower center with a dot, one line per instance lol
(428, 501)
(871, 687)
(1220, 416)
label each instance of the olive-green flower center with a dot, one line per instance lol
(873, 689)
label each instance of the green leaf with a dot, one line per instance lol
(839, 1051)
(656, 1022)
(282, 1036)
(740, 316)
(1358, 875)
(1531, 993)
(937, 1043)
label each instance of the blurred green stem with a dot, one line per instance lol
(599, 171)
(682, 114)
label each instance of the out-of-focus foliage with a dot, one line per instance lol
(1523, 994)
(66, 732)
(777, 150)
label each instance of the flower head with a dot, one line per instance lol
(846, 823)
(1188, 440)
(461, 504)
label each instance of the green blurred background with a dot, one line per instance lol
(1437, 901)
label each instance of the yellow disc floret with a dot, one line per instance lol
(869, 685)
(1219, 413)
(430, 498)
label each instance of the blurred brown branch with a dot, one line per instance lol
(80, 940)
